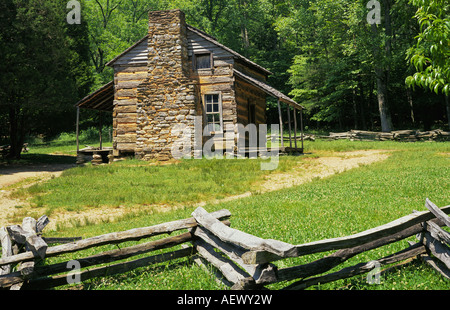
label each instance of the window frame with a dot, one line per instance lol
(211, 60)
(206, 113)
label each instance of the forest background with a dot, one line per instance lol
(348, 71)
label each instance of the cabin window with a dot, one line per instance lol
(213, 111)
(203, 61)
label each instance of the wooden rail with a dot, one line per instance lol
(242, 260)
(398, 135)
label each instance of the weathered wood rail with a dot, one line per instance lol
(242, 261)
(398, 135)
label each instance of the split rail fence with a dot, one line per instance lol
(398, 135)
(241, 260)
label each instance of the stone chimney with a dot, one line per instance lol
(167, 97)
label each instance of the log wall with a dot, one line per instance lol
(127, 78)
(217, 80)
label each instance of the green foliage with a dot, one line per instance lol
(431, 55)
(339, 59)
(44, 69)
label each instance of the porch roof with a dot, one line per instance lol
(102, 99)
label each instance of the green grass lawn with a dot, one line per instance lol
(336, 206)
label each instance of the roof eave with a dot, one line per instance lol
(112, 61)
(268, 89)
(235, 54)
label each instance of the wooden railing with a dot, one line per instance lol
(244, 261)
(398, 135)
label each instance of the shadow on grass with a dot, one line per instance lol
(28, 160)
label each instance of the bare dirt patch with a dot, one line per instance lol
(26, 176)
(322, 167)
(13, 210)
(312, 168)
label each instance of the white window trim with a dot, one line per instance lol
(206, 113)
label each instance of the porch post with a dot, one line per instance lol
(281, 123)
(289, 122)
(295, 127)
(78, 129)
(100, 130)
(301, 126)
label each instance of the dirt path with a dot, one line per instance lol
(11, 176)
(312, 168)
(14, 174)
(322, 167)
(13, 210)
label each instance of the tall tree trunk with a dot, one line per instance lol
(410, 102)
(244, 31)
(362, 106)
(447, 104)
(355, 110)
(15, 133)
(382, 96)
(382, 69)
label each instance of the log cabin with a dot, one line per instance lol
(175, 76)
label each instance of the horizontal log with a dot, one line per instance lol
(258, 257)
(46, 283)
(50, 240)
(126, 138)
(215, 79)
(101, 258)
(137, 75)
(115, 237)
(129, 69)
(125, 109)
(358, 269)
(401, 135)
(125, 102)
(327, 263)
(127, 84)
(126, 146)
(125, 92)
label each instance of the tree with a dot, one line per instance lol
(431, 55)
(43, 71)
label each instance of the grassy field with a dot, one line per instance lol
(340, 205)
